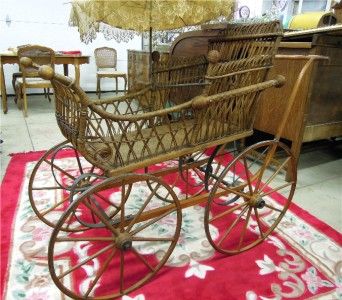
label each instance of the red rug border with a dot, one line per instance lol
(18, 162)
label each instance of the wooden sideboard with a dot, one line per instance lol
(317, 112)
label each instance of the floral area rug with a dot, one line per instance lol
(301, 259)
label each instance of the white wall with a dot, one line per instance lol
(46, 23)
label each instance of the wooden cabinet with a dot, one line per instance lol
(317, 111)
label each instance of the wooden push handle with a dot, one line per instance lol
(45, 72)
(202, 101)
(310, 59)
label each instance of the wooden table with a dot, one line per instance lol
(64, 60)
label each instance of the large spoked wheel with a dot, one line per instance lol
(135, 234)
(242, 203)
(53, 178)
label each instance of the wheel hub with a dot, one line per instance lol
(124, 241)
(257, 202)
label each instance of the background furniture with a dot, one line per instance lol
(30, 79)
(187, 44)
(106, 58)
(64, 60)
(317, 112)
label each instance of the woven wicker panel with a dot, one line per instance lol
(68, 108)
(180, 72)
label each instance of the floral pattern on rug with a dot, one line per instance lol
(300, 261)
(293, 272)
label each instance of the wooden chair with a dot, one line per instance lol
(30, 79)
(106, 61)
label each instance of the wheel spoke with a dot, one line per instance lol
(100, 272)
(229, 211)
(152, 221)
(258, 222)
(60, 169)
(47, 188)
(138, 214)
(67, 221)
(122, 207)
(275, 173)
(85, 239)
(142, 259)
(122, 269)
(247, 176)
(273, 208)
(66, 198)
(277, 189)
(78, 162)
(85, 261)
(243, 233)
(102, 218)
(266, 162)
(92, 213)
(199, 173)
(152, 239)
(236, 192)
(232, 226)
(106, 200)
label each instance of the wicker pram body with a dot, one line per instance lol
(152, 153)
(192, 103)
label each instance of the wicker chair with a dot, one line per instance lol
(106, 61)
(30, 79)
(17, 75)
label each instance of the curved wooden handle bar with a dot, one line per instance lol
(301, 57)
(298, 84)
(119, 98)
(202, 101)
(196, 103)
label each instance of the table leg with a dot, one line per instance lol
(77, 74)
(3, 89)
(66, 69)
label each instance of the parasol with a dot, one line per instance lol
(92, 16)
(120, 19)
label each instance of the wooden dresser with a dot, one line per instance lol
(317, 112)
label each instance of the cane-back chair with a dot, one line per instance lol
(106, 63)
(40, 55)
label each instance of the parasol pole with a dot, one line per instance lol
(150, 54)
(150, 43)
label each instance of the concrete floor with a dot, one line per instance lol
(319, 186)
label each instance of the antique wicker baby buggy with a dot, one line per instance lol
(123, 204)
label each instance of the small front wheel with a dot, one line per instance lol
(241, 204)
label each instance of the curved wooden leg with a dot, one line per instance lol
(24, 101)
(98, 87)
(125, 78)
(3, 89)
